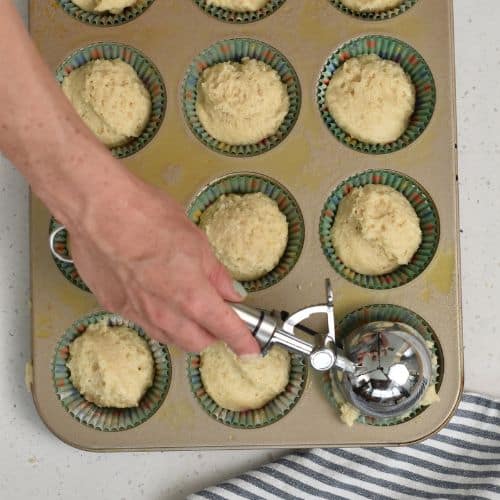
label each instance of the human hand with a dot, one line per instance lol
(132, 244)
(142, 257)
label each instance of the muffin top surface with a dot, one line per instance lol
(111, 6)
(239, 5)
(111, 366)
(371, 98)
(248, 233)
(375, 230)
(243, 383)
(371, 5)
(241, 102)
(110, 98)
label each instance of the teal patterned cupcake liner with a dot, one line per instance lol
(423, 205)
(250, 419)
(109, 419)
(105, 19)
(235, 50)
(383, 312)
(146, 71)
(415, 67)
(253, 183)
(382, 15)
(68, 269)
(231, 16)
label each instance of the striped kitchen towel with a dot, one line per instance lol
(461, 461)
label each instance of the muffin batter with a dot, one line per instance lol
(371, 5)
(248, 233)
(372, 99)
(430, 396)
(245, 383)
(110, 98)
(241, 103)
(111, 366)
(348, 414)
(112, 6)
(239, 5)
(375, 230)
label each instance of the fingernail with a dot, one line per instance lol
(239, 289)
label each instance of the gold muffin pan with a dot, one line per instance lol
(310, 163)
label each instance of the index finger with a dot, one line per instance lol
(206, 307)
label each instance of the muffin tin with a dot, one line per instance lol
(310, 164)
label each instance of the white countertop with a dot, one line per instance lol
(34, 464)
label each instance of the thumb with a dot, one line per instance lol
(228, 288)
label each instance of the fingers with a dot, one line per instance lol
(187, 342)
(205, 306)
(196, 298)
(166, 322)
(154, 332)
(151, 330)
(228, 288)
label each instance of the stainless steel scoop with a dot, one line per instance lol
(385, 367)
(268, 330)
(394, 369)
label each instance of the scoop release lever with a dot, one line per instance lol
(268, 331)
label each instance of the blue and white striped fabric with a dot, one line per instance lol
(462, 461)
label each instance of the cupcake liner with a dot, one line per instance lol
(423, 205)
(415, 67)
(68, 269)
(109, 419)
(146, 71)
(105, 19)
(383, 312)
(231, 16)
(250, 419)
(383, 15)
(253, 183)
(234, 50)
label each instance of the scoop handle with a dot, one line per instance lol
(264, 328)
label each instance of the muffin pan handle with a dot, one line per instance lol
(53, 247)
